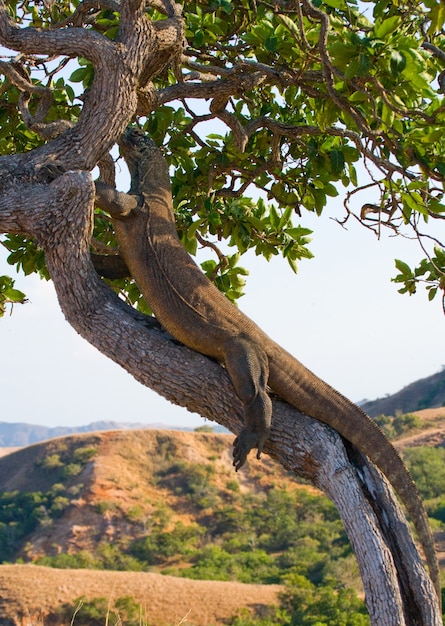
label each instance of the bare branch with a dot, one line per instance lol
(68, 42)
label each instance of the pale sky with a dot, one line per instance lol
(340, 315)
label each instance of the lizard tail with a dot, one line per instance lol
(312, 396)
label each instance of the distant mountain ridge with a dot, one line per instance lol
(426, 393)
(423, 394)
(17, 435)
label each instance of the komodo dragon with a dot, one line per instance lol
(196, 313)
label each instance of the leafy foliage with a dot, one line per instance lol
(97, 611)
(275, 110)
(308, 605)
(427, 466)
(22, 513)
(302, 606)
(9, 295)
(396, 426)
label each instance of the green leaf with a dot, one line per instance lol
(335, 4)
(271, 43)
(8, 294)
(14, 295)
(387, 115)
(404, 269)
(293, 264)
(359, 66)
(330, 190)
(415, 202)
(274, 217)
(290, 24)
(437, 17)
(397, 61)
(285, 217)
(78, 75)
(432, 291)
(386, 27)
(337, 160)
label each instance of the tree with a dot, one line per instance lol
(304, 93)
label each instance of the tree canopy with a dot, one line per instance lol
(268, 110)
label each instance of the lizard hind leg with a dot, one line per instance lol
(248, 368)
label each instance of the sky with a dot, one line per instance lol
(340, 316)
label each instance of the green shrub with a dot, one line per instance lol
(22, 513)
(106, 505)
(385, 423)
(99, 611)
(58, 506)
(66, 463)
(427, 466)
(81, 560)
(233, 485)
(72, 469)
(83, 455)
(161, 545)
(405, 423)
(399, 425)
(437, 510)
(308, 605)
(51, 462)
(106, 557)
(193, 480)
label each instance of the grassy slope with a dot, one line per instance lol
(114, 498)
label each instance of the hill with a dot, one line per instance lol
(423, 394)
(167, 508)
(30, 593)
(89, 499)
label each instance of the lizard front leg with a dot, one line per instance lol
(117, 203)
(248, 368)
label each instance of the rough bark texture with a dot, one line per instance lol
(49, 194)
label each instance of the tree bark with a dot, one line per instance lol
(58, 213)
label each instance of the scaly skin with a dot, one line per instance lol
(196, 313)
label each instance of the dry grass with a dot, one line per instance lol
(32, 592)
(432, 432)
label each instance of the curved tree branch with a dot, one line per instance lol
(141, 51)
(69, 42)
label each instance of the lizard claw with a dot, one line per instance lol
(244, 443)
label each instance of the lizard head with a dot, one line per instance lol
(137, 149)
(134, 144)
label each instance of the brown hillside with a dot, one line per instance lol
(30, 594)
(432, 432)
(421, 394)
(118, 484)
(115, 494)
